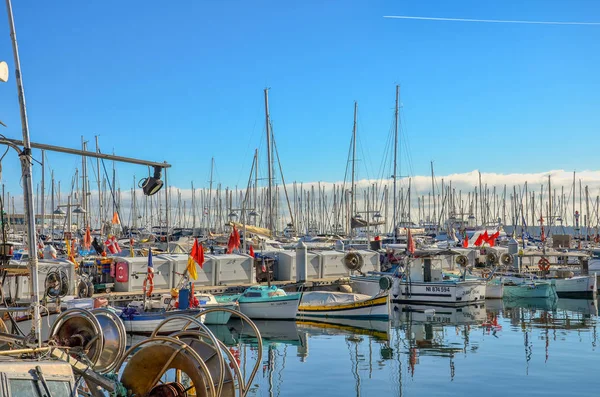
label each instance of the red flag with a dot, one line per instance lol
(493, 237)
(236, 236)
(479, 240)
(198, 253)
(251, 251)
(485, 237)
(87, 240)
(230, 244)
(411, 242)
(234, 240)
(465, 242)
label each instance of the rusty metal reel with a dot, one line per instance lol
(150, 359)
(195, 340)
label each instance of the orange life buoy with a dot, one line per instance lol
(544, 265)
(148, 286)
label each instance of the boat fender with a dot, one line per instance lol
(385, 283)
(148, 286)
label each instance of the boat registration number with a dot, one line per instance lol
(437, 289)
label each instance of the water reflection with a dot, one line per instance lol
(427, 350)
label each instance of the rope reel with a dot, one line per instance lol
(353, 261)
(507, 259)
(491, 259)
(98, 334)
(461, 260)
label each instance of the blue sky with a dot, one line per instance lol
(183, 82)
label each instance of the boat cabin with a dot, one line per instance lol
(426, 269)
(35, 378)
(263, 292)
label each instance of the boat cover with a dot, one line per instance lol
(320, 298)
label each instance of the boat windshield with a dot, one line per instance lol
(251, 294)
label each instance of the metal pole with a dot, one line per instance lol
(395, 222)
(52, 208)
(26, 162)
(270, 168)
(42, 199)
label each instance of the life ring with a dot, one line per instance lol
(544, 265)
(148, 286)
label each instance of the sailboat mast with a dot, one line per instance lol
(270, 169)
(100, 214)
(352, 188)
(210, 184)
(395, 222)
(26, 165)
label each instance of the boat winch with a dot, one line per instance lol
(353, 261)
(506, 259)
(491, 259)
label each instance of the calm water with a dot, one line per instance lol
(528, 348)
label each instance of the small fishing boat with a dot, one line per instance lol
(422, 281)
(519, 288)
(266, 303)
(139, 321)
(344, 305)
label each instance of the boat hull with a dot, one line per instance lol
(279, 309)
(494, 290)
(576, 287)
(368, 285)
(220, 317)
(146, 323)
(524, 291)
(376, 307)
(457, 293)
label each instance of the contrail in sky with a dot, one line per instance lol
(492, 20)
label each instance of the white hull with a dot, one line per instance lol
(494, 291)
(271, 310)
(439, 293)
(365, 285)
(578, 286)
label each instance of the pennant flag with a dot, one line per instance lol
(251, 251)
(465, 242)
(411, 243)
(263, 267)
(87, 240)
(196, 256)
(115, 219)
(150, 267)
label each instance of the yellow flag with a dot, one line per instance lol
(191, 268)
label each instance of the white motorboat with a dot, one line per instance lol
(424, 282)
